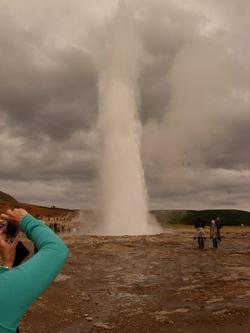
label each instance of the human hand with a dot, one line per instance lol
(14, 216)
(7, 249)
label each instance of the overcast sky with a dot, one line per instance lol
(195, 100)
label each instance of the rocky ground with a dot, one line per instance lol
(148, 284)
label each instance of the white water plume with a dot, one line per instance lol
(123, 193)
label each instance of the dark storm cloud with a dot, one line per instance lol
(194, 100)
(234, 153)
(55, 99)
(47, 88)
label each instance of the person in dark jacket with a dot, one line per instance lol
(200, 232)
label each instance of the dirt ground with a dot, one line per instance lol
(151, 284)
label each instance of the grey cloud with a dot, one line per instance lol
(54, 101)
(166, 27)
(49, 89)
(155, 92)
(233, 152)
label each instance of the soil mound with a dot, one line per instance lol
(4, 197)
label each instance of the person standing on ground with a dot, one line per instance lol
(215, 226)
(22, 285)
(218, 226)
(200, 232)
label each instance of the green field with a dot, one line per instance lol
(191, 229)
(229, 217)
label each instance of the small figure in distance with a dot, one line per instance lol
(200, 232)
(219, 226)
(215, 235)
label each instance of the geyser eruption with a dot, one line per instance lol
(124, 195)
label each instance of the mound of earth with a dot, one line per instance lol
(4, 197)
(7, 201)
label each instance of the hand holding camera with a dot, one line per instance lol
(14, 216)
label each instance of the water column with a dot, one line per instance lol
(123, 190)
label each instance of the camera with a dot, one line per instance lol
(21, 251)
(10, 229)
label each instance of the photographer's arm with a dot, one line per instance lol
(20, 286)
(3, 269)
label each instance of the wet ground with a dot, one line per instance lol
(148, 284)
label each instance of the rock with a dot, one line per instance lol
(84, 297)
(221, 312)
(69, 311)
(163, 316)
(62, 277)
(89, 318)
(103, 325)
(215, 299)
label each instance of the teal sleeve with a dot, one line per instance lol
(20, 286)
(3, 269)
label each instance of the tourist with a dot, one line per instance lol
(21, 285)
(218, 226)
(215, 235)
(200, 232)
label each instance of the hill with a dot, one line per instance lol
(7, 201)
(4, 197)
(228, 216)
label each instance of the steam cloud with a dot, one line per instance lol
(124, 196)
